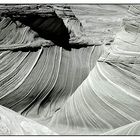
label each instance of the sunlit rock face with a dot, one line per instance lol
(66, 68)
(108, 100)
(11, 123)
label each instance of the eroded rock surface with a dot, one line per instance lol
(11, 123)
(36, 75)
(68, 87)
(109, 97)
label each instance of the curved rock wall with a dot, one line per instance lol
(43, 72)
(109, 97)
(72, 91)
(36, 76)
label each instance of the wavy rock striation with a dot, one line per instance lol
(67, 86)
(109, 97)
(36, 75)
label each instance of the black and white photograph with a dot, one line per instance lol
(69, 69)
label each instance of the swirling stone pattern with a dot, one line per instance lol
(69, 91)
(108, 99)
(36, 75)
(11, 123)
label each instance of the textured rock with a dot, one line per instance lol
(72, 91)
(109, 97)
(101, 22)
(12, 123)
(37, 82)
(130, 129)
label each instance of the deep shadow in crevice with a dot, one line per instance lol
(50, 28)
(26, 49)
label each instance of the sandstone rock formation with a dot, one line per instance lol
(11, 123)
(109, 97)
(129, 129)
(36, 75)
(72, 85)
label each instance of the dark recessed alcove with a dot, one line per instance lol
(48, 27)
